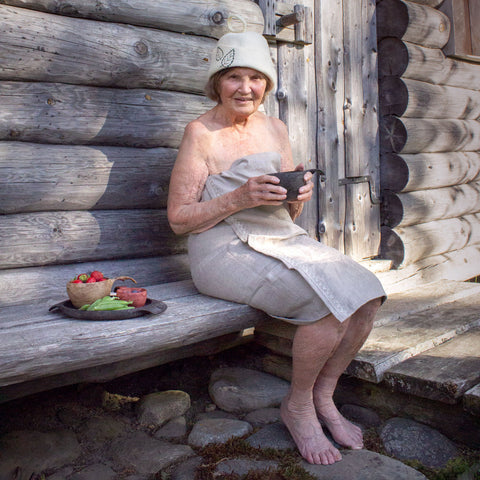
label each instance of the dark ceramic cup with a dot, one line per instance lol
(293, 181)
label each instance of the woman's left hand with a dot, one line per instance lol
(305, 192)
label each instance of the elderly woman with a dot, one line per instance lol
(245, 247)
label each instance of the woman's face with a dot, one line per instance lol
(242, 89)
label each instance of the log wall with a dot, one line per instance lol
(94, 97)
(430, 144)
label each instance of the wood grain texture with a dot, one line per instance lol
(409, 172)
(212, 18)
(46, 238)
(412, 22)
(79, 115)
(36, 177)
(412, 208)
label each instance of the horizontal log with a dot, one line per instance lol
(413, 208)
(417, 135)
(409, 172)
(211, 18)
(404, 59)
(36, 177)
(41, 47)
(33, 239)
(430, 3)
(80, 115)
(412, 22)
(405, 97)
(30, 284)
(405, 246)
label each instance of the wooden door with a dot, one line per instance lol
(347, 125)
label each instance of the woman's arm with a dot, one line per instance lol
(186, 213)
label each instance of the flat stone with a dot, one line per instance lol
(175, 428)
(241, 390)
(158, 408)
(214, 414)
(35, 452)
(97, 471)
(363, 465)
(409, 440)
(471, 400)
(98, 430)
(186, 470)
(241, 466)
(361, 415)
(217, 430)
(147, 455)
(263, 416)
(274, 436)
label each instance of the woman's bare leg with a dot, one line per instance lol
(313, 345)
(358, 329)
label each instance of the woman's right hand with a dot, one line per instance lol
(261, 190)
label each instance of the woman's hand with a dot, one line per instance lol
(305, 192)
(261, 190)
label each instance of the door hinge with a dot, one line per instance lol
(374, 197)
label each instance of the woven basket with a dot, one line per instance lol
(85, 293)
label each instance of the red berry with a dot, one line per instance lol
(96, 275)
(83, 277)
(91, 280)
(76, 281)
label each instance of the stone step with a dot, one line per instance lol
(471, 400)
(394, 342)
(444, 373)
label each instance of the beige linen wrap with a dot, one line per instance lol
(260, 257)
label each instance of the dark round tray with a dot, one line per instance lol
(151, 306)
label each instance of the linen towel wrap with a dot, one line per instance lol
(341, 283)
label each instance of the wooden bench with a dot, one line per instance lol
(41, 350)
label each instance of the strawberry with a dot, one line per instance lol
(96, 275)
(91, 280)
(83, 277)
(76, 281)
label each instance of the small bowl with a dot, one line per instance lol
(138, 296)
(293, 181)
(86, 293)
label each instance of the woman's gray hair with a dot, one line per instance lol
(212, 88)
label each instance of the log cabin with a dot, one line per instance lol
(383, 96)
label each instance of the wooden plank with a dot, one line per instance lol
(410, 244)
(211, 18)
(79, 115)
(430, 3)
(413, 208)
(44, 238)
(408, 60)
(443, 373)
(471, 400)
(411, 98)
(409, 172)
(329, 68)
(30, 285)
(395, 342)
(460, 41)
(99, 53)
(362, 221)
(417, 135)
(36, 177)
(413, 22)
(55, 344)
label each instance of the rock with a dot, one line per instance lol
(147, 455)
(241, 390)
(262, 417)
(35, 452)
(408, 440)
(97, 471)
(363, 465)
(175, 428)
(217, 430)
(158, 408)
(186, 470)
(275, 436)
(99, 430)
(214, 414)
(361, 415)
(241, 466)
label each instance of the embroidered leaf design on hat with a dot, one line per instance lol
(228, 58)
(219, 54)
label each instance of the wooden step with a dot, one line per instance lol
(443, 373)
(394, 342)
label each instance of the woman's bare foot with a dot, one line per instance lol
(307, 433)
(343, 432)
